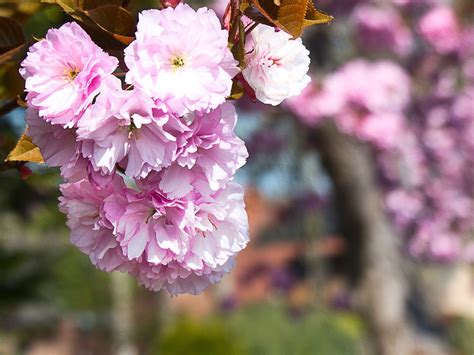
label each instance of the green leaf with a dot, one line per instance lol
(25, 151)
(11, 35)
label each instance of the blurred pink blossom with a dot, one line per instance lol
(367, 100)
(382, 29)
(440, 28)
(467, 44)
(440, 148)
(433, 240)
(309, 105)
(405, 204)
(219, 6)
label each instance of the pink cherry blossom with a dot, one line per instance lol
(466, 49)
(58, 145)
(365, 99)
(404, 204)
(381, 29)
(371, 99)
(208, 154)
(60, 148)
(82, 202)
(309, 106)
(434, 240)
(440, 29)
(64, 73)
(183, 244)
(219, 6)
(176, 279)
(80, 168)
(277, 65)
(382, 129)
(126, 128)
(412, 3)
(374, 86)
(181, 57)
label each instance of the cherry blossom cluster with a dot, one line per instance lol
(148, 162)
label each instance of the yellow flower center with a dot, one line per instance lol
(177, 62)
(132, 131)
(72, 74)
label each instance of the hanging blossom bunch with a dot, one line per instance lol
(148, 155)
(420, 126)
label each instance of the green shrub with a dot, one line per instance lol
(271, 330)
(190, 337)
(265, 330)
(461, 336)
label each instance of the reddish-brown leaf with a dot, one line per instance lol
(237, 91)
(14, 54)
(253, 13)
(315, 17)
(268, 9)
(114, 20)
(68, 5)
(94, 4)
(291, 16)
(110, 25)
(11, 35)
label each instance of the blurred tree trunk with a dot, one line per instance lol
(374, 260)
(122, 314)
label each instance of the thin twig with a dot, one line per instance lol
(250, 28)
